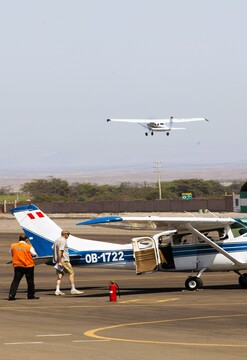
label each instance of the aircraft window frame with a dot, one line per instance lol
(164, 240)
(215, 235)
(238, 227)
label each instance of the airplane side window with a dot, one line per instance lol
(242, 231)
(176, 239)
(238, 228)
(164, 240)
(215, 235)
(182, 239)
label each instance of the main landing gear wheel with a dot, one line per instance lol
(193, 283)
(243, 280)
(146, 133)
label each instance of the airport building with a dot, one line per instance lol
(240, 200)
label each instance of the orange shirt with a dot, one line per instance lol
(21, 255)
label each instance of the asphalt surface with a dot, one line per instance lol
(153, 317)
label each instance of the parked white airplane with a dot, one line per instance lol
(158, 124)
(185, 244)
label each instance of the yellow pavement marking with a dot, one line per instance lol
(92, 333)
(13, 306)
(141, 302)
(166, 300)
(147, 301)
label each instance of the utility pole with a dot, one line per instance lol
(158, 178)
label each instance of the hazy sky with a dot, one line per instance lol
(67, 66)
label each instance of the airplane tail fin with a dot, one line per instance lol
(171, 122)
(42, 232)
(38, 227)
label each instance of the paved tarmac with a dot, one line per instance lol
(154, 316)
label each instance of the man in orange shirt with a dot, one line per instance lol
(22, 259)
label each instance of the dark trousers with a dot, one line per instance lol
(18, 275)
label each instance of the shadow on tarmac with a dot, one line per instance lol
(104, 292)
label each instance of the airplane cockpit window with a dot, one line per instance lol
(239, 227)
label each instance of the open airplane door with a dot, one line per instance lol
(145, 253)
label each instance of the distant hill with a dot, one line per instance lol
(223, 172)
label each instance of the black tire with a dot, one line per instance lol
(243, 280)
(193, 283)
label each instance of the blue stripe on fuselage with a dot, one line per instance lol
(43, 247)
(103, 257)
(205, 249)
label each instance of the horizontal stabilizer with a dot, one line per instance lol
(48, 260)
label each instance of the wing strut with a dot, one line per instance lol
(213, 244)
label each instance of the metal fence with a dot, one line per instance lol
(217, 205)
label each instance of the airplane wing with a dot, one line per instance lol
(134, 121)
(181, 224)
(159, 222)
(195, 225)
(188, 120)
(149, 121)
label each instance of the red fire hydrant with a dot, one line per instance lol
(113, 291)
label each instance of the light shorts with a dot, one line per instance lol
(67, 269)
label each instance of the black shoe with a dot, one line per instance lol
(33, 298)
(11, 298)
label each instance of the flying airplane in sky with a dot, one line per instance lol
(158, 125)
(193, 244)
